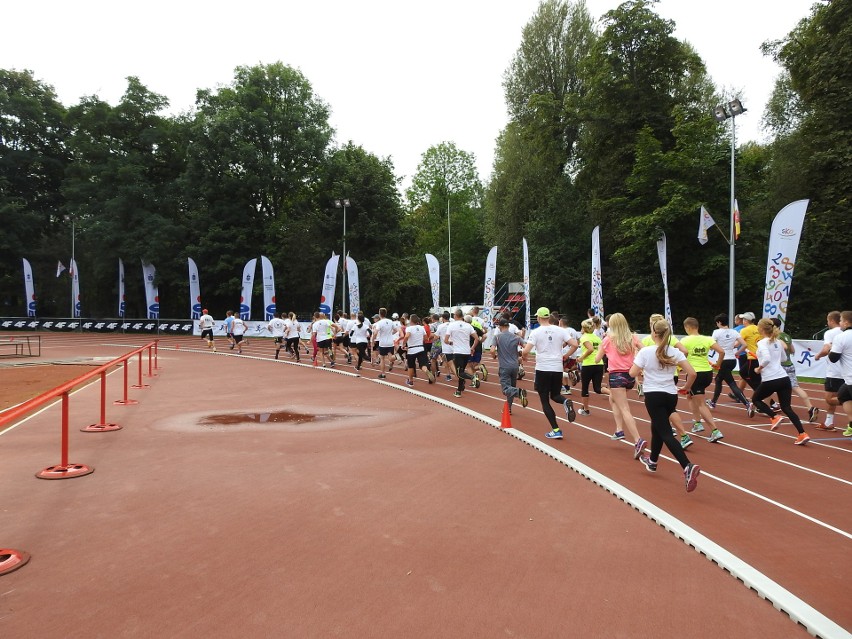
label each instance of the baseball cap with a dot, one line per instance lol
(747, 316)
(395, 316)
(204, 311)
(543, 312)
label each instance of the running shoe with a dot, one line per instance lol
(382, 376)
(575, 377)
(813, 411)
(686, 441)
(214, 350)
(449, 378)
(619, 434)
(569, 410)
(690, 474)
(650, 466)
(565, 390)
(554, 434)
(697, 427)
(457, 394)
(348, 358)
(848, 431)
(750, 410)
(715, 436)
(483, 372)
(409, 382)
(824, 428)
(231, 347)
(331, 365)
(802, 439)
(775, 406)
(475, 381)
(431, 376)
(521, 372)
(583, 411)
(639, 390)
(775, 422)
(522, 393)
(640, 446)
(710, 403)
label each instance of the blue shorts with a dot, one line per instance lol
(621, 380)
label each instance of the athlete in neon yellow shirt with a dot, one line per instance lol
(698, 347)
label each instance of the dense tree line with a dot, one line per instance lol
(610, 124)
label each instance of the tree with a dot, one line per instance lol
(32, 162)
(445, 196)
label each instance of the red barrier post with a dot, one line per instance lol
(139, 383)
(64, 470)
(125, 401)
(102, 426)
(12, 559)
(156, 354)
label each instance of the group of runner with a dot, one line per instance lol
(452, 345)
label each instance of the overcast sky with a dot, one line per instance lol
(399, 76)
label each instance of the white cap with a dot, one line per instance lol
(395, 316)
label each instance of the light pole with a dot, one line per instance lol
(723, 112)
(450, 253)
(343, 204)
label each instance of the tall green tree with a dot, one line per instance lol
(255, 161)
(32, 163)
(445, 211)
(811, 114)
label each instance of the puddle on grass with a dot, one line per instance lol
(279, 417)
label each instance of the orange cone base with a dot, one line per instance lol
(65, 472)
(129, 402)
(100, 428)
(12, 559)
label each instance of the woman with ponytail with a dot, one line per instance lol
(771, 351)
(657, 364)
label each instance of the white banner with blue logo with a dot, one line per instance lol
(75, 289)
(29, 288)
(194, 290)
(152, 295)
(329, 284)
(490, 282)
(248, 285)
(122, 300)
(268, 288)
(661, 254)
(783, 246)
(354, 286)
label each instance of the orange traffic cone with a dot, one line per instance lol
(506, 422)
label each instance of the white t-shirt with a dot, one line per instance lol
(833, 369)
(416, 334)
(322, 328)
(726, 338)
(360, 335)
(770, 355)
(205, 322)
(292, 328)
(383, 331)
(459, 333)
(658, 379)
(843, 344)
(440, 331)
(548, 340)
(239, 326)
(277, 326)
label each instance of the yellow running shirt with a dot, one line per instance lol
(698, 347)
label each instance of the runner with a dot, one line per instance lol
(504, 348)
(239, 327)
(770, 354)
(841, 353)
(415, 333)
(292, 333)
(790, 369)
(461, 340)
(324, 329)
(383, 337)
(833, 375)
(205, 323)
(589, 370)
(656, 364)
(277, 327)
(360, 336)
(698, 347)
(730, 341)
(548, 340)
(619, 346)
(229, 329)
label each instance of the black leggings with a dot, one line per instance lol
(293, 346)
(659, 407)
(362, 353)
(460, 361)
(784, 389)
(724, 375)
(548, 384)
(591, 373)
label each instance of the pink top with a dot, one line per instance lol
(617, 362)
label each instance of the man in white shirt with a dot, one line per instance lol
(239, 328)
(325, 329)
(833, 376)
(457, 341)
(548, 340)
(205, 323)
(277, 327)
(383, 335)
(841, 354)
